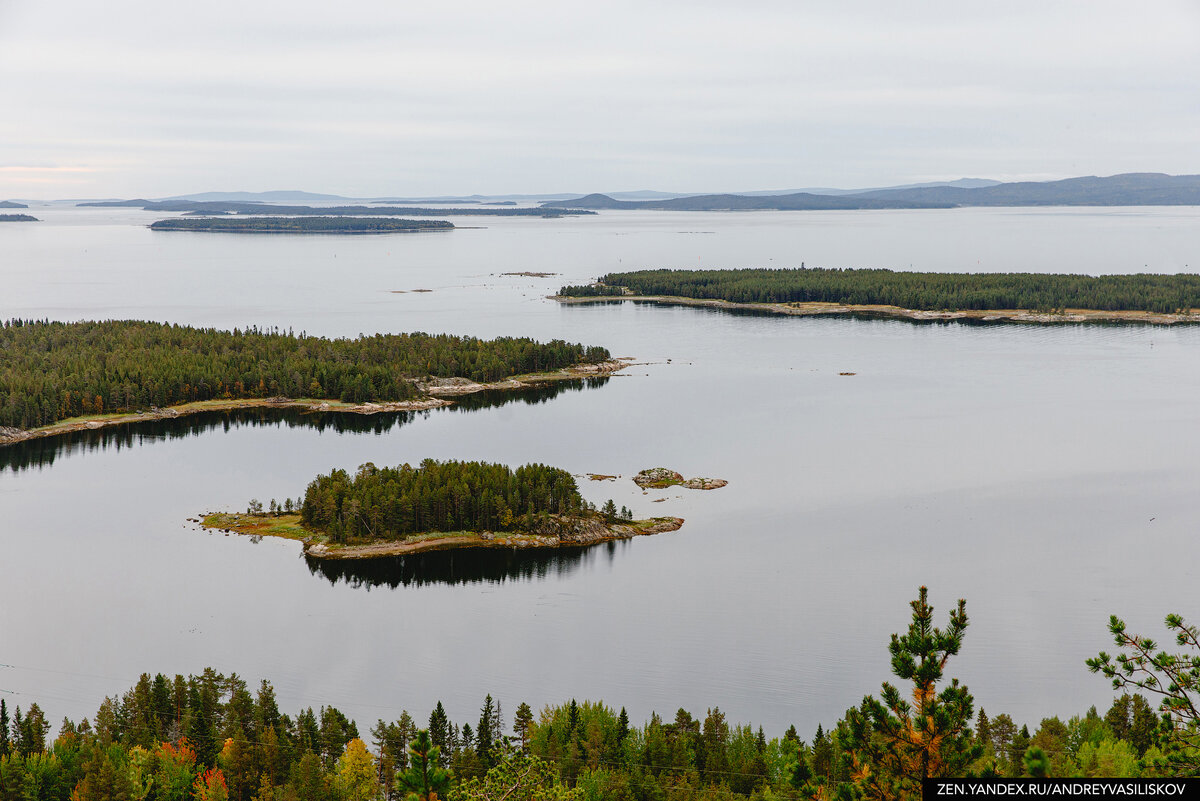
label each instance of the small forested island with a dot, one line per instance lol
(12, 204)
(986, 297)
(299, 225)
(18, 218)
(391, 511)
(58, 377)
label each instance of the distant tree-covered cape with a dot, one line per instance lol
(51, 371)
(392, 502)
(1129, 189)
(242, 207)
(300, 225)
(18, 218)
(910, 290)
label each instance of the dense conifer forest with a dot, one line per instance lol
(211, 737)
(51, 371)
(909, 290)
(392, 502)
(299, 225)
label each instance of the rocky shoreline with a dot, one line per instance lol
(898, 313)
(664, 477)
(437, 391)
(556, 532)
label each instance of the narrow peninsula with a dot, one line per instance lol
(61, 377)
(395, 511)
(916, 296)
(299, 225)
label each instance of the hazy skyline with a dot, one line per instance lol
(127, 99)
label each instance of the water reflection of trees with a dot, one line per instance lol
(464, 566)
(42, 452)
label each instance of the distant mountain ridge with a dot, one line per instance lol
(1128, 189)
(794, 202)
(300, 196)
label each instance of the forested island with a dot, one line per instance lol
(211, 737)
(299, 225)
(56, 377)
(12, 204)
(1021, 297)
(388, 511)
(18, 218)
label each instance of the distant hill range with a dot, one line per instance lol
(12, 204)
(1129, 189)
(219, 207)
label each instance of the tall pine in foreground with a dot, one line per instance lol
(891, 744)
(424, 778)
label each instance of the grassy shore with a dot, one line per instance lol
(317, 545)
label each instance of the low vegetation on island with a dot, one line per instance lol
(386, 511)
(215, 737)
(663, 477)
(299, 225)
(54, 372)
(18, 218)
(813, 290)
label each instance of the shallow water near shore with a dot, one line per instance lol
(1044, 474)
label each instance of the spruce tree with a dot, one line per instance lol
(485, 734)
(439, 731)
(983, 731)
(822, 754)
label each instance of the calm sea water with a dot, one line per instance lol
(1047, 475)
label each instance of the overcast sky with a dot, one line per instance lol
(124, 99)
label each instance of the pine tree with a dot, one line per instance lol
(1037, 764)
(802, 774)
(424, 776)
(891, 744)
(522, 723)
(5, 744)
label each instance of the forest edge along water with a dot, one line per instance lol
(435, 387)
(579, 532)
(818, 309)
(1017, 297)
